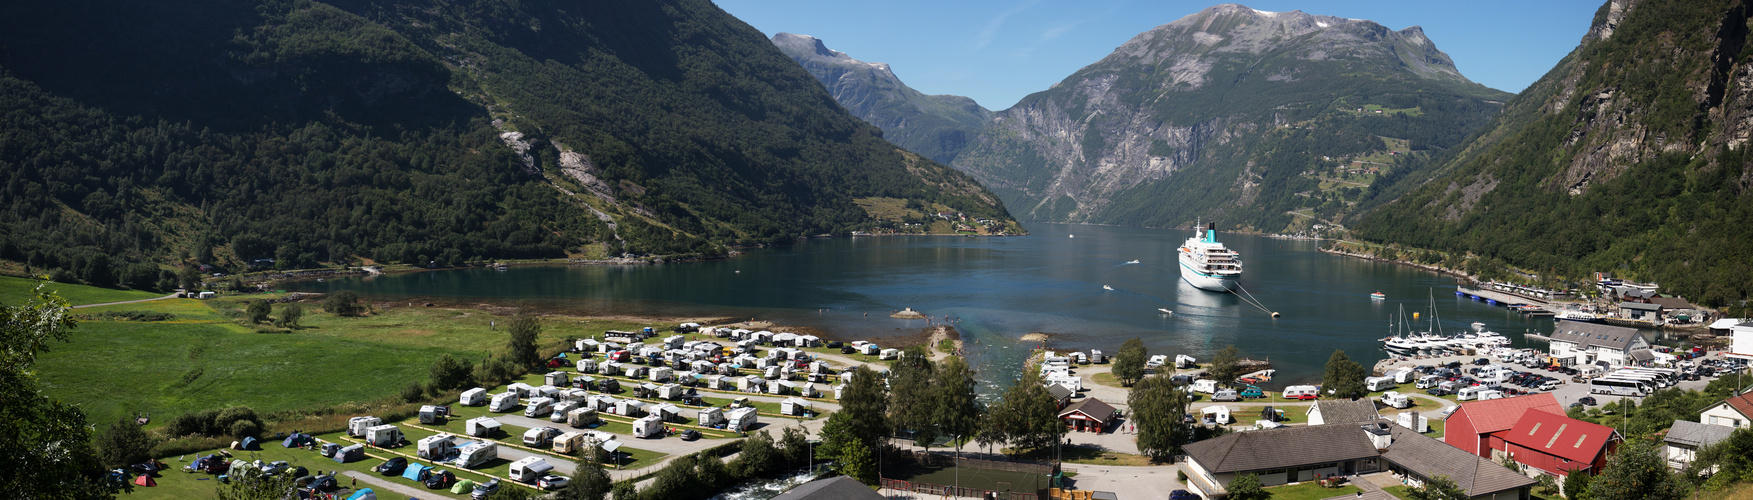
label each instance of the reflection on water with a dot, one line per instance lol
(997, 289)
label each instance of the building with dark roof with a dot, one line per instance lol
(1686, 437)
(833, 488)
(1295, 454)
(1581, 343)
(1343, 411)
(1061, 394)
(1091, 414)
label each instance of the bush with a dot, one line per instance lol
(1181, 475)
(189, 444)
(123, 444)
(245, 428)
(343, 303)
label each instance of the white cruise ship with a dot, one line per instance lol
(1207, 264)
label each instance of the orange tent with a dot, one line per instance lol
(145, 480)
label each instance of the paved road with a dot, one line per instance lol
(171, 296)
(380, 484)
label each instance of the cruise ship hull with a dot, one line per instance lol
(1207, 282)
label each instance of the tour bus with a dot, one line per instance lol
(1618, 387)
(1667, 377)
(1654, 381)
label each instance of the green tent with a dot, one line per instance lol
(463, 486)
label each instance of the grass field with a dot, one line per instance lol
(14, 291)
(203, 358)
(968, 477)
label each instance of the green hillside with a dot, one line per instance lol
(353, 131)
(1628, 157)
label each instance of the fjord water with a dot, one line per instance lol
(997, 289)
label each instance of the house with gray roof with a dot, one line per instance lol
(1586, 343)
(834, 488)
(1343, 411)
(1296, 454)
(1686, 437)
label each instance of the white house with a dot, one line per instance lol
(1686, 437)
(1586, 343)
(1742, 346)
(1736, 411)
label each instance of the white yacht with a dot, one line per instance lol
(1207, 264)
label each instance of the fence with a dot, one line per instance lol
(941, 490)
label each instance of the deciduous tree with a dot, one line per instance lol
(1637, 471)
(258, 311)
(1129, 362)
(46, 444)
(521, 345)
(1225, 366)
(1438, 488)
(290, 314)
(958, 411)
(343, 303)
(1344, 377)
(1157, 409)
(1247, 487)
(123, 443)
(1028, 416)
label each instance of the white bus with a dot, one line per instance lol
(1650, 379)
(1666, 376)
(1618, 387)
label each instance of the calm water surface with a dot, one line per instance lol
(998, 289)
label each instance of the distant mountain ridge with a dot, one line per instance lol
(937, 126)
(1628, 157)
(1232, 114)
(355, 131)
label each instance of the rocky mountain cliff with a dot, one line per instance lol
(1263, 120)
(353, 131)
(1628, 157)
(937, 126)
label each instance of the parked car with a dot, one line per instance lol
(1183, 495)
(484, 490)
(393, 467)
(1587, 400)
(690, 435)
(441, 480)
(552, 482)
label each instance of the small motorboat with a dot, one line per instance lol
(1106, 287)
(1133, 261)
(1164, 310)
(1378, 296)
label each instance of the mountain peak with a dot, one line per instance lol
(805, 47)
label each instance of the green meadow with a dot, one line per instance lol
(14, 291)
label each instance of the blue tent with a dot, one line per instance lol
(249, 443)
(365, 494)
(412, 473)
(297, 439)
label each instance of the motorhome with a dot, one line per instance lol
(1469, 393)
(1396, 399)
(481, 427)
(1157, 361)
(562, 408)
(586, 366)
(436, 447)
(473, 397)
(1428, 381)
(648, 427)
(740, 419)
(477, 454)
(1302, 392)
(556, 379)
(432, 414)
(521, 389)
(503, 402)
(384, 436)
(1490, 394)
(582, 417)
(1097, 357)
(661, 374)
(1184, 361)
(539, 407)
(1404, 376)
(356, 426)
(539, 436)
(1374, 384)
(530, 469)
(794, 407)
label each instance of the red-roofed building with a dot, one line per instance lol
(1736, 411)
(1470, 428)
(1556, 444)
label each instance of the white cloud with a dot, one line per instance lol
(991, 30)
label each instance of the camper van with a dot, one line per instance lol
(521, 389)
(648, 427)
(1157, 361)
(1490, 394)
(1396, 399)
(539, 436)
(1428, 381)
(436, 447)
(503, 402)
(661, 374)
(586, 366)
(740, 419)
(709, 417)
(667, 412)
(539, 407)
(1097, 357)
(1184, 361)
(569, 442)
(356, 426)
(477, 454)
(1378, 383)
(1205, 385)
(561, 408)
(581, 417)
(473, 397)
(671, 391)
(481, 427)
(384, 436)
(1469, 393)
(1302, 392)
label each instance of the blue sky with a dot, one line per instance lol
(1001, 50)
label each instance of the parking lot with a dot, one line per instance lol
(1569, 389)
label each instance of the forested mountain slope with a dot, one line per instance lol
(412, 131)
(1628, 157)
(1263, 120)
(937, 126)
